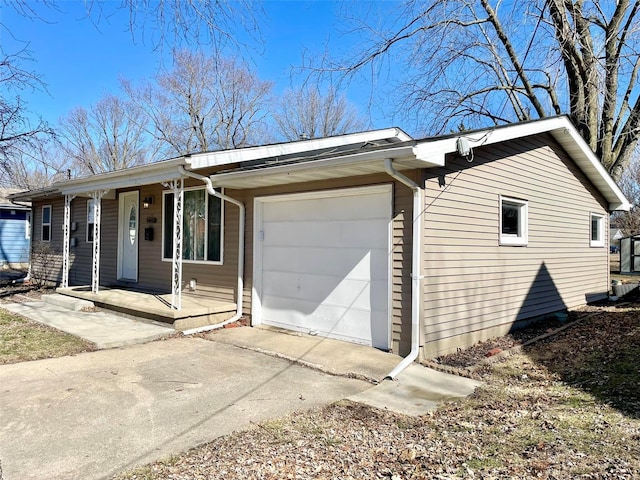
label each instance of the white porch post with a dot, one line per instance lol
(66, 227)
(177, 187)
(97, 214)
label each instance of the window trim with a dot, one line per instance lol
(90, 210)
(522, 238)
(601, 242)
(27, 226)
(222, 222)
(43, 224)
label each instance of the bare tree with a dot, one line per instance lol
(155, 22)
(478, 62)
(38, 166)
(629, 222)
(110, 136)
(162, 23)
(17, 133)
(184, 22)
(203, 103)
(305, 113)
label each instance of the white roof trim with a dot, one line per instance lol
(226, 157)
(130, 177)
(562, 130)
(360, 163)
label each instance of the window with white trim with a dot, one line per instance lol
(202, 229)
(597, 230)
(514, 222)
(46, 223)
(90, 219)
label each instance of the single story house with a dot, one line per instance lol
(416, 246)
(15, 231)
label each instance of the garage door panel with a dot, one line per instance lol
(369, 206)
(323, 263)
(343, 263)
(355, 233)
(327, 320)
(320, 289)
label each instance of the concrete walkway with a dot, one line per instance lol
(103, 328)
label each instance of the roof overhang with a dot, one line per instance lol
(228, 157)
(348, 165)
(30, 195)
(131, 177)
(562, 130)
(14, 206)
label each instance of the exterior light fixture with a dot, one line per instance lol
(147, 201)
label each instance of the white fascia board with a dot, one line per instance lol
(227, 157)
(590, 164)
(436, 149)
(399, 153)
(130, 177)
(562, 130)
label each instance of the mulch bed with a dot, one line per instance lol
(15, 293)
(474, 355)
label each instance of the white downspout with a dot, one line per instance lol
(415, 267)
(240, 286)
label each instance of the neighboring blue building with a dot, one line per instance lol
(15, 231)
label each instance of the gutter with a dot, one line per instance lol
(240, 286)
(415, 267)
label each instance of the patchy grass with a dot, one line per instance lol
(22, 340)
(563, 408)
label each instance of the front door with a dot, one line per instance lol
(128, 237)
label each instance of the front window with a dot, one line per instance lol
(201, 226)
(46, 223)
(513, 221)
(597, 230)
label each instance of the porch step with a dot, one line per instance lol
(64, 301)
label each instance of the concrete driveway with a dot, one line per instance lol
(95, 414)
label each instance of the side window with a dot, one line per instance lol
(514, 222)
(46, 223)
(597, 230)
(90, 220)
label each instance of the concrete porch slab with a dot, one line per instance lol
(195, 310)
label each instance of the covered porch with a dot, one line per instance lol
(196, 311)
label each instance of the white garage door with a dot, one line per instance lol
(322, 263)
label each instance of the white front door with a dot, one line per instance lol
(322, 263)
(128, 237)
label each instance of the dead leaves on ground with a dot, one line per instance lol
(536, 416)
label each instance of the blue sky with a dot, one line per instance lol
(80, 62)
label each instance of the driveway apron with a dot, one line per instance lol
(92, 415)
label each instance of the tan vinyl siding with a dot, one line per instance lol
(81, 266)
(475, 288)
(153, 273)
(46, 258)
(109, 242)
